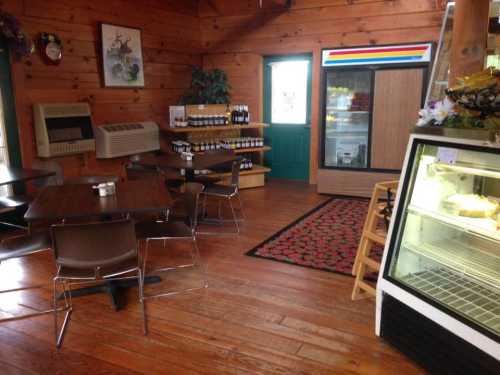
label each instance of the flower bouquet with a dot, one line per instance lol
(472, 104)
(19, 42)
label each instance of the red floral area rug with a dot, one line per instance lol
(325, 238)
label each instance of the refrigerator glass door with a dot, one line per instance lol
(447, 244)
(347, 122)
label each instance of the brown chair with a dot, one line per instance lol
(176, 230)
(18, 247)
(227, 192)
(94, 180)
(90, 252)
(136, 172)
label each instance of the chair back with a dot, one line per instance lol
(235, 173)
(94, 245)
(90, 180)
(192, 191)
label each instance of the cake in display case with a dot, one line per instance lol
(442, 257)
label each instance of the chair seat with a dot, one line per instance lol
(14, 201)
(128, 265)
(160, 230)
(221, 190)
(20, 246)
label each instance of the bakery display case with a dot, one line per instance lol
(443, 256)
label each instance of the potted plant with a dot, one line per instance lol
(207, 87)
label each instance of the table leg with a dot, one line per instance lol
(114, 288)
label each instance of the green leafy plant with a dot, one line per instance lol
(207, 87)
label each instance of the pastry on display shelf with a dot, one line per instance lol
(471, 205)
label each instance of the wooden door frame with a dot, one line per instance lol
(266, 95)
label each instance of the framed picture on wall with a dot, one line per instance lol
(122, 60)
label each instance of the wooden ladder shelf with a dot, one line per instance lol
(371, 235)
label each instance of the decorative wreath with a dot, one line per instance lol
(19, 41)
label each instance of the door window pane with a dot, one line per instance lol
(289, 92)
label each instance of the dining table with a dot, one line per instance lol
(12, 175)
(70, 202)
(200, 161)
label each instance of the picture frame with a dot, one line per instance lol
(121, 56)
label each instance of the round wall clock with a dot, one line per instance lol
(50, 48)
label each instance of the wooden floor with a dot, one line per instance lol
(256, 317)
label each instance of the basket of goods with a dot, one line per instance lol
(478, 92)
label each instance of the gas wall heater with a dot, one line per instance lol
(114, 140)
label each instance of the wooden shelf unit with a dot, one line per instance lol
(248, 178)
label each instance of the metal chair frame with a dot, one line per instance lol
(195, 254)
(236, 194)
(31, 287)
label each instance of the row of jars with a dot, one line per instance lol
(215, 144)
(207, 120)
(244, 142)
(246, 164)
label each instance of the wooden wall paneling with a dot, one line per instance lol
(235, 33)
(171, 46)
(397, 100)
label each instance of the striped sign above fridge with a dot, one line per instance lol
(396, 54)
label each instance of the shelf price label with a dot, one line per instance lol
(447, 155)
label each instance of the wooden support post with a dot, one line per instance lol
(470, 34)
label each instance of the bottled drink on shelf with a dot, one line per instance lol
(235, 115)
(247, 115)
(242, 115)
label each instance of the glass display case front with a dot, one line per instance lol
(347, 122)
(447, 244)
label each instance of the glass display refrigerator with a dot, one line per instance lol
(369, 94)
(347, 118)
(438, 294)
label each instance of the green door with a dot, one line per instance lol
(287, 108)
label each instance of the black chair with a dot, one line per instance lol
(10, 203)
(90, 252)
(22, 246)
(176, 230)
(225, 192)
